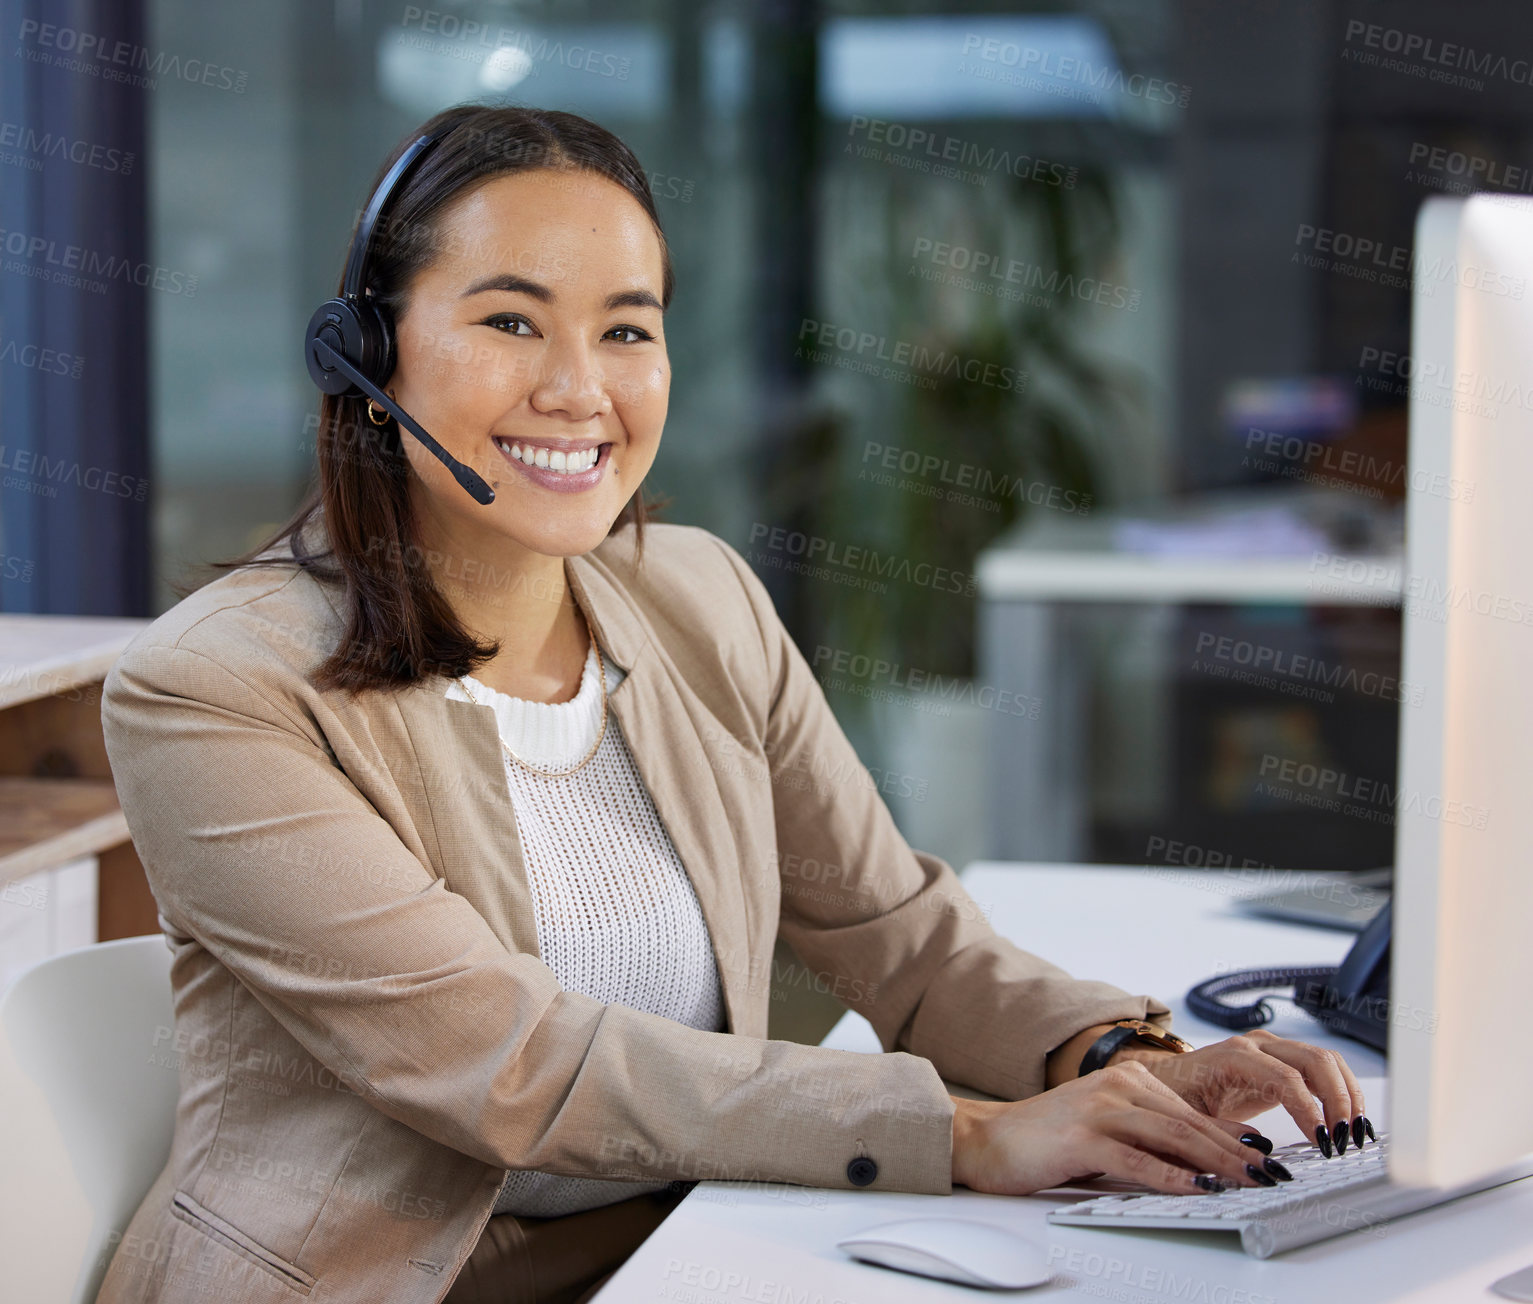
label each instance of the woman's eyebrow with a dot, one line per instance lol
(514, 284)
(633, 299)
(509, 281)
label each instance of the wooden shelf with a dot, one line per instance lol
(57, 800)
(45, 823)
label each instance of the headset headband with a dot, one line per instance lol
(361, 249)
(349, 347)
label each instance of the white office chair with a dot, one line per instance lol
(87, 1109)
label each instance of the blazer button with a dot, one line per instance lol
(861, 1171)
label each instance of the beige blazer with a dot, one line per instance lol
(365, 1037)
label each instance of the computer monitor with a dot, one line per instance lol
(1460, 1046)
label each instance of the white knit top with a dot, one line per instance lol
(616, 915)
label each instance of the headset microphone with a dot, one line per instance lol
(471, 481)
(349, 343)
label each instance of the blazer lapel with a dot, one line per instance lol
(465, 807)
(659, 725)
(661, 720)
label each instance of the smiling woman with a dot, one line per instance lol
(563, 369)
(467, 823)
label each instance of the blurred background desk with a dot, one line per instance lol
(68, 873)
(1161, 652)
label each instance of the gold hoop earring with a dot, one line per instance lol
(377, 420)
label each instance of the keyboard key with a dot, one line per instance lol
(1174, 1206)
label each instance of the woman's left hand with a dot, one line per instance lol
(1244, 1076)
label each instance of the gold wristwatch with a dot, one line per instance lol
(1105, 1046)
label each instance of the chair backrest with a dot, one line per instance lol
(88, 1091)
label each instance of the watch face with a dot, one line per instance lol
(1150, 1032)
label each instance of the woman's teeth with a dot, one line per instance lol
(558, 460)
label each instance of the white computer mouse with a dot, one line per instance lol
(954, 1249)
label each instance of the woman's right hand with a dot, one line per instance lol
(1120, 1121)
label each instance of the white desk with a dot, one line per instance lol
(1056, 557)
(731, 1243)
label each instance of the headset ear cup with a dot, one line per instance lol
(337, 323)
(377, 342)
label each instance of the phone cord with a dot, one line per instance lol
(1203, 1000)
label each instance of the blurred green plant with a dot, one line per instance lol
(1018, 443)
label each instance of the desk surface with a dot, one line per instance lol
(1060, 557)
(42, 655)
(736, 1243)
(1195, 935)
(1125, 577)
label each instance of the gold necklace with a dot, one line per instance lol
(601, 675)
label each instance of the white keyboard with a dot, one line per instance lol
(1348, 1192)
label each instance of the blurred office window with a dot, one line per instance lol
(76, 280)
(256, 191)
(257, 194)
(945, 278)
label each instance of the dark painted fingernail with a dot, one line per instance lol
(1208, 1182)
(1368, 1128)
(1277, 1170)
(1339, 1136)
(1357, 1131)
(1258, 1176)
(1323, 1140)
(1256, 1141)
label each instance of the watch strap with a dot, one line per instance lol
(1105, 1046)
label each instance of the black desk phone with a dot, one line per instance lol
(1351, 999)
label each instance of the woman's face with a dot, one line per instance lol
(534, 340)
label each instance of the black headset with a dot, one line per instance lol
(349, 343)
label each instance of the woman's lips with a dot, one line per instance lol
(566, 482)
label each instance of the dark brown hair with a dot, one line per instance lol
(399, 625)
